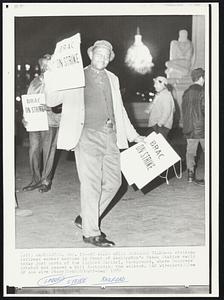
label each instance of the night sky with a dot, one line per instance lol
(35, 36)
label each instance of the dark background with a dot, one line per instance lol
(35, 36)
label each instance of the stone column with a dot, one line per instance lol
(198, 40)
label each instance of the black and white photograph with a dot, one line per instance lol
(109, 123)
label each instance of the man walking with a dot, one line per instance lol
(100, 128)
(193, 106)
(42, 142)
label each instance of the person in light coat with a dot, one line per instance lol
(162, 108)
(95, 125)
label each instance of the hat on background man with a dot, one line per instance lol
(42, 62)
(102, 44)
(45, 56)
(161, 79)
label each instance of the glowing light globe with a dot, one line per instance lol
(138, 57)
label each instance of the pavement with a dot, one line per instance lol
(158, 215)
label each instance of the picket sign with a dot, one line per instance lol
(146, 160)
(66, 66)
(34, 112)
(131, 163)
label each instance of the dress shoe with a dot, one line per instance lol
(190, 176)
(32, 187)
(98, 241)
(78, 223)
(44, 188)
(199, 182)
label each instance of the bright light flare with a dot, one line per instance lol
(27, 67)
(138, 57)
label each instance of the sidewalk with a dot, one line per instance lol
(159, 215)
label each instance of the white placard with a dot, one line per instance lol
(34, 112)
(66, 67)
(146, 160)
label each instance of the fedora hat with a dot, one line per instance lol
(102, 44)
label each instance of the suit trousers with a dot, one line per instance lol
(98, 165)
(192, 146)
(42, 143)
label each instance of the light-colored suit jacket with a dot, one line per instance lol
(73, 114)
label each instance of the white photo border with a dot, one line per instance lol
(209, 254)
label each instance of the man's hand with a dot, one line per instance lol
(45, 107)
(25, 123)
(139, 139)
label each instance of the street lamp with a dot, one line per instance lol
(138, 57)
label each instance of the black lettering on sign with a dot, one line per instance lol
(33, 100)
(140, 148)
(59, 63)
(145, 156)
(63, 47)
(68, 46)
(157, 149)
(76, 57)
(38, 109)
(29, 100)
(27, 110)
(69, 60)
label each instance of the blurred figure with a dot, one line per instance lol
(161, 109)
(27, 75)
(193, 109)
(42, 142)
(19, 90)
(36, 71)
